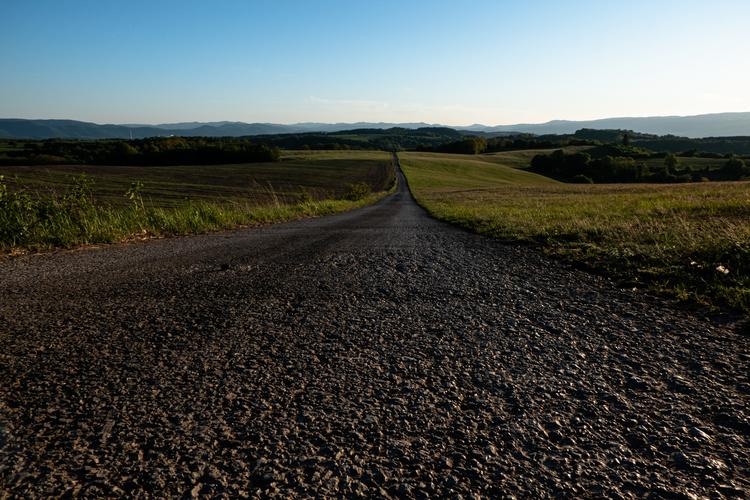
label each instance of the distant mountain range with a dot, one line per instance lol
(711, 125)
(694, 127)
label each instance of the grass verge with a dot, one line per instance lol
(691, 241)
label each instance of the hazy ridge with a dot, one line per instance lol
(709, 125)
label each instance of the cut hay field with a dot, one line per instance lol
(254, 184)
(691, 241)
(65, 206)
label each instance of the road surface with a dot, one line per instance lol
(372, 353)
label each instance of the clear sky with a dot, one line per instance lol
(449, 62)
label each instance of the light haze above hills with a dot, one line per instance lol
(709, 125)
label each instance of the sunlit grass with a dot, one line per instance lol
(688, 240)
(448, 171)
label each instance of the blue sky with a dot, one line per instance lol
(453, 63)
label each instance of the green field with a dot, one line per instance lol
(688, 240)
(450, 171)
(64, 206)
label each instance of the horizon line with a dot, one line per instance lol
(206, 123)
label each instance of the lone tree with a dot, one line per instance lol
(671, 162)
(625, 140)
(734, 165)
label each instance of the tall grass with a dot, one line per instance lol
(37, 223)
(691, 241)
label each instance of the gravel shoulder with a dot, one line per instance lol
(374, 353)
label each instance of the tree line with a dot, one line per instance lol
(581, 168)
(393, 139)
(208, 150)
(221, 150)
(142, 152)
(708, 147)
(477, 144)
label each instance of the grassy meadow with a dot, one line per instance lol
(65, 206)
(429, 171)
(691, 241)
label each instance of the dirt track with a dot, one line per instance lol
(376, 353)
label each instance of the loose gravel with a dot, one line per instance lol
(376, 353)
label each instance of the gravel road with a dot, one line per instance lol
(375, 353)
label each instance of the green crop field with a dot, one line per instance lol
(43, 207)
(687, 240)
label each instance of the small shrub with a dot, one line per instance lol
(133, 194)
(582, 179)
(303, 196)
(49, 221)
(356, 192)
